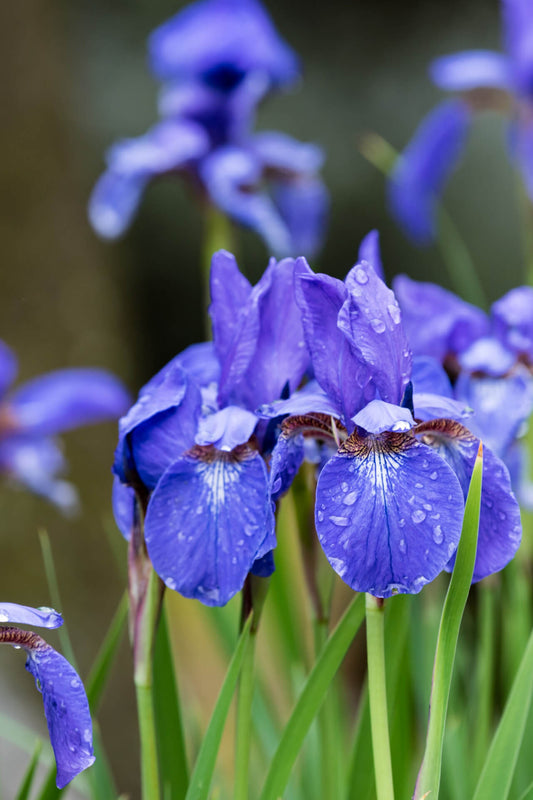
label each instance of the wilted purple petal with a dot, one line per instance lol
(65, 399)
(418, 180)
(220, 42)
(472, 69)
(66, 710)
(437, 322)
(388, 514)
(499, 522)
(208, 519)
(369, 250)
(226, 429)
(43, 616)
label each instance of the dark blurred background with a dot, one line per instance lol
(74, 79)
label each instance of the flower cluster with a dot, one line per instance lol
(485, 361)
(485, 80)
(65, 702)
(217, 59)
(33, 414)
(216, 438)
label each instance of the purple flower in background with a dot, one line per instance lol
(485, 80)
(485, 361)
(220, 43)
(219, 58)
(32, 414)
(193, 446)
(65, 702)
(390, 495)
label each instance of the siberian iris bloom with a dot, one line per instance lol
(485, 80)
(218, 59)
(486, 361)
(65, 702)
(32, 414)
(193, 446)
(392, 482)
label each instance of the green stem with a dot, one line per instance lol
(217, 236)
(484, 675)
(375, 642)
(144, 642)
(244, 720)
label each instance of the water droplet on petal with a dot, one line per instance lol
(378, 325)
(350, 499)
(401, 426)
(320, 516)
(438, 536)
(402, 546)
(361, 276)
(342, 522)
(418, 516)
(394, 312)
(434, 476)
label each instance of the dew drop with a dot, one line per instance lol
(344, 486)
(402, 546)
(74, 683)
(394, 312)
(4, 617)
(401, 523)
(320, 516)
(434, 476)
(419, 485)
(378, 325)
(361, 276)
(438, 536)
(400, 426)
(342, 522)
(350, 499)
(418, 516)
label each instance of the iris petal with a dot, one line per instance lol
(66, 710)
(123, 501)
(8, 367)
(388, 513)
(26, 615)
(472, 69)
(424, 167)
(230, 292)
(499, 523)
(226, 429)
(65, 399)
(209, 518)
(513, 320)
(369, 251)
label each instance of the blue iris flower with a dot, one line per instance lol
(65, 702)
(390, 495)
(194, 447)
(218, 59)
(32, 414)
(484, 80)
(483, 360)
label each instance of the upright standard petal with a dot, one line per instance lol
(430, 377)
(388, 513)
(209, 518)
(168, 146)
(487, 355)
(230, 292)
(43, 616)
(8, 367)
(370, 318)
(220, 42)
(500, 529)
(437, 322)
(66, 399)
(303, 203)
(369, 250)
(473, 69)
(418, 180)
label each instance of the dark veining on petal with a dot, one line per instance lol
(319, 426)
(437, 429)
(388, 442)
(209, 453)
(19, 638)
